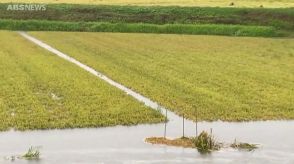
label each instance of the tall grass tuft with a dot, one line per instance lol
(32, 154)
(206, 143)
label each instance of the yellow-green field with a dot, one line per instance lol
(220, 3)
(226, 78)
(39, 91)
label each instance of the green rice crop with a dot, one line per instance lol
(42, 91)
(213, 77)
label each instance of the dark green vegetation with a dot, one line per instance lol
(213, 77)
(230, 30)
(42, 91)
(280, 19)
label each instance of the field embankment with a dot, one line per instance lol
(80, 17)
(208, 29)
(41, 91)
(280, 18)
(213, 3)
(226, 78)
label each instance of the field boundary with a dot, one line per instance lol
(189, 29)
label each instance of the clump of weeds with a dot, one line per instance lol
(32, 154)
(206, 143)
(243, 146)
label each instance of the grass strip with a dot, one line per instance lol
(281, 18)
(222, 3)
(208, 29)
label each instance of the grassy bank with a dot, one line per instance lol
(220, 78)
(209, 29)
(279, 18)
(222, 3)
(41, 91)
(153, 19)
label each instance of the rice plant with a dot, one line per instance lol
(32, 154)
(229, 81)
(206, 143)
(42, 91)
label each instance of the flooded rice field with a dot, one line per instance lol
(121, 144)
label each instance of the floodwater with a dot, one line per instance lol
(121, 144)
(126, 144)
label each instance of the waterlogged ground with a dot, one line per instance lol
(226, 78)
(126, 144)
(121, 144)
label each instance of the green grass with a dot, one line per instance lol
(222, 78)
(222, 3)
(206, 143)
(153, 19)
(42, 91)
(279, 18)
(32, 154)
(209, 29)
